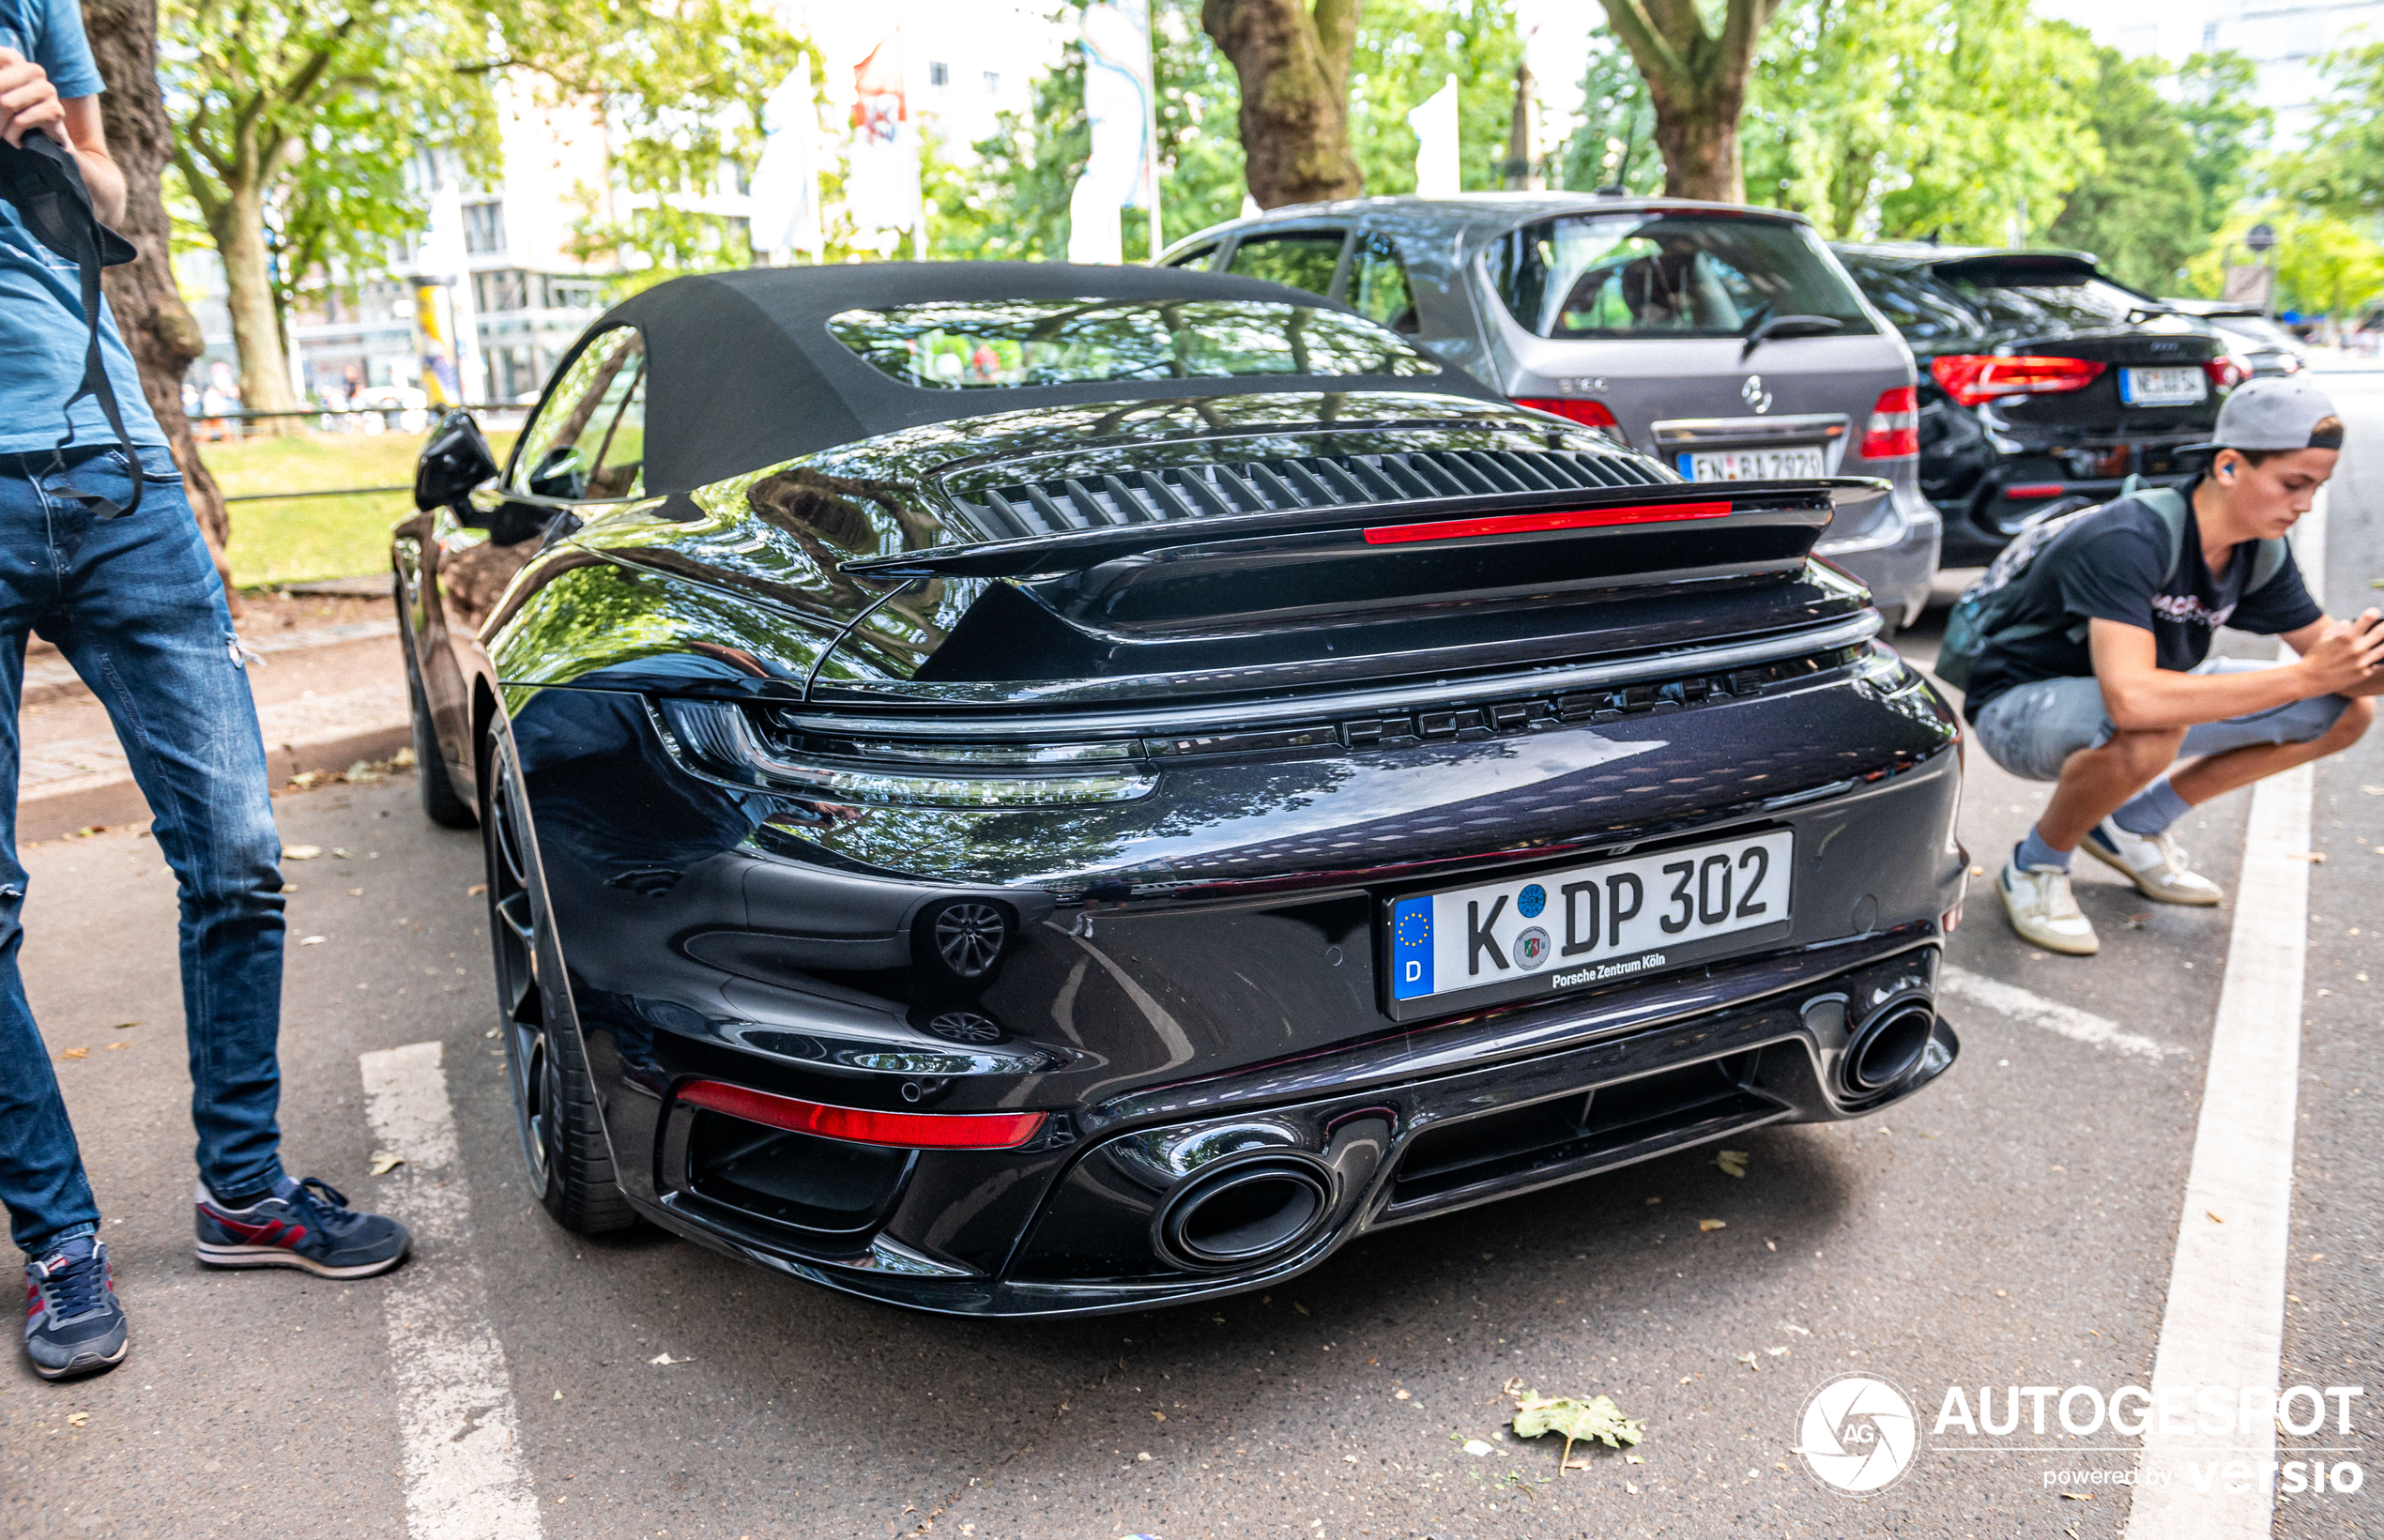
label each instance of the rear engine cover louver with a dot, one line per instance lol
(1270, 486)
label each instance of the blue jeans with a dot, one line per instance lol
(135, 605)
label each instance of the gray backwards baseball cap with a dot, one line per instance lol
(2276, 412)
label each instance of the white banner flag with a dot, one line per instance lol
(1436, 152)
(1123, 170)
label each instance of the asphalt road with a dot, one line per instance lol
(2014, 1226)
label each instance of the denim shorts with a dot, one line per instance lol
(2032, 729)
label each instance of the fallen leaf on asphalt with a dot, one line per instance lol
(2079, 1497)
(1400, 1395)
(313, 941)
(122, 1025)
(289, 887)
(1775, 1352)
(559, 1396)
(1632, 1486)
(667, 1361)
(75, 1053)
(1655, 1200)
(1301, 1308)
(1160, 1415)
(300, 852)
(1794, 1327)
(386, 1160)
(475, 889)
(2295, 1298)
(2374, 791)
(76, 1419)
(355, 892)
(1732, 1162)
(1477, 1448)
(2214, 1218)
(1749, 1359)
(113, 1046)
(1634, 1460)
(1771, 1246)
(340, 851)
(2138, 922)
(1597, 1418)
(1686, 1378)
(1713, 1224)
(2316, 858)
(1977, 871)
(1143, 1454)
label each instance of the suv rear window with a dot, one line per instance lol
(990, 345)
(1668, 274)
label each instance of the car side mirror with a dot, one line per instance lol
(454, 459)
(559, 473)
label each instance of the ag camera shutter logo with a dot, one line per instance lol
(1857, 1434)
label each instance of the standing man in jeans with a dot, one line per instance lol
(2100, 679)
(133, 602)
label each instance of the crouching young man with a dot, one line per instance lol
(2097, 675)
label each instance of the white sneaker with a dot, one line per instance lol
(2044, 911)
(2156, 865)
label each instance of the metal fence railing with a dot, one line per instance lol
(217, 427)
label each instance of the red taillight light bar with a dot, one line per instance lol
(1973, 378)
(906, 1130)
(1894, 433)
(2225, 373)
(1589, 414)
(1524, 524)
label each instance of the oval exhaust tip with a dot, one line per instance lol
(1889, 1048)
(1245, 1215)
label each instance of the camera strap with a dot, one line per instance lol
(42, 178)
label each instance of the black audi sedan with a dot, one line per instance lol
(1027, 789)
(2041, 381)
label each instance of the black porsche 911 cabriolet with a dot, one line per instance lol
(1022, 789)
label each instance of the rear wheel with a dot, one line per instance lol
(571, 1166)
(431, 781)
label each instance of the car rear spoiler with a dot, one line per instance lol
(1796, 511)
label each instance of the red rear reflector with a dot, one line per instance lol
(1894, 433)
(2225, 372)
(2028, 490)
(908, 1130)
(1524, 524)
(1589, 414)
(1971, 378)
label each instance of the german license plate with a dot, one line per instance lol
(1590, 924)
(1752, 465)
(2163, 387)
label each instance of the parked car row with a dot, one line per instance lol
(1733, 343)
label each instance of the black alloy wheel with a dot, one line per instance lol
(571, 1165)
(440, 805)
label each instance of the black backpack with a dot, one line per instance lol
(1985, 609)
(44, 180)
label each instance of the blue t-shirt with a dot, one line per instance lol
(43, 337)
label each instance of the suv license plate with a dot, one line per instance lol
(2163, 387)
(1589, 925)
(1752, 465)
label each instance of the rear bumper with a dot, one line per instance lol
(1582, 1088)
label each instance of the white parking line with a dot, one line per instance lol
(2032, 1010)
(2224, 1324)
(464, 1478)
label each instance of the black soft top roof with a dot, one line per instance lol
(742, 371)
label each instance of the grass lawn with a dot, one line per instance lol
(295, 539)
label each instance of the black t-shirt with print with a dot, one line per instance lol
(2114, 566)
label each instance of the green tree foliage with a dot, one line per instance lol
(2227, 126)
(1614, 143)
(1900, 120)
(2341, 170)
(294, 123)
(2142, 213)
(1406, 50)
(2325, 264)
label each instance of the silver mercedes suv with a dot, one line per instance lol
(1726, 341)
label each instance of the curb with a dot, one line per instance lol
(63, 807)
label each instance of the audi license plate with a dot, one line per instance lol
(2163, 387)
(1590, 924)
(1752, 465)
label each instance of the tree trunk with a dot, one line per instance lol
(159, 329)
(1524, 169)
(1698, 137)
(1293, 57)
(238, 227)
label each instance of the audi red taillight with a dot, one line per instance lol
(1894, 433)
(1525, 523)
(1972, 379)
(1589, 414)
(2226, 371)
(906, 1130)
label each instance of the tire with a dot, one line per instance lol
(563, 1145)
(431, 781)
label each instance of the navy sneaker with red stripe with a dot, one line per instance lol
(300, 1224)
(72, 1322)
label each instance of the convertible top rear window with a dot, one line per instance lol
(993, 345)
